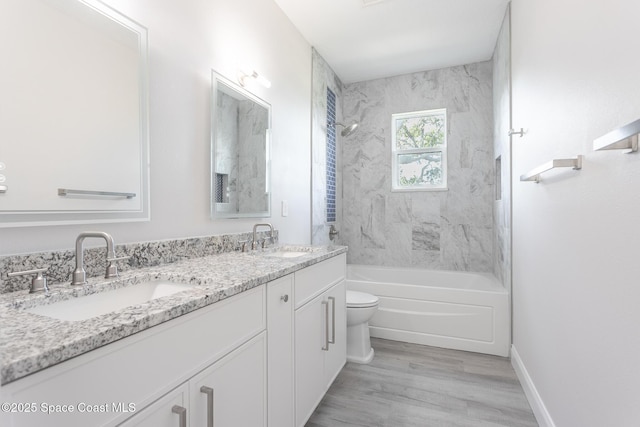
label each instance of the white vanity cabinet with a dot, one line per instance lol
(263, 357)
(143, 375)
(320, 332)
(230, 393)
(280, 351)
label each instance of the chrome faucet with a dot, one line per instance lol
(79, 275)
(254, 242)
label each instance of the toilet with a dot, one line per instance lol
(360, 308)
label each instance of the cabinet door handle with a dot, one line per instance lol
(326, 325)
(284, 298)
(209, 392)
(333, 320)
(182, 414)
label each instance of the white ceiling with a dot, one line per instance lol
(368, 39)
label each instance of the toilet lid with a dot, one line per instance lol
(360, 299)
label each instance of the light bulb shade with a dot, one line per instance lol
(244, 74)
(263, 80)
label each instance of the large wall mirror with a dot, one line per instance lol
(73, 114)
(241, 126)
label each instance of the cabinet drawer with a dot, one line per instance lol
(314, 280)
(140, 368)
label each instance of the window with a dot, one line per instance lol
(419, 150)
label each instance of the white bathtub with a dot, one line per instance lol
(450, 309)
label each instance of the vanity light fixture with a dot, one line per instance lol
(246, 73)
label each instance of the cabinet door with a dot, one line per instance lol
(162, 413)
(232, 391)
(280, 351)
(336, 357)
(310, 348)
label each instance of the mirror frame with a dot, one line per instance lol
(216, 80)
(44, 217)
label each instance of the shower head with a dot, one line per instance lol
(348, 130)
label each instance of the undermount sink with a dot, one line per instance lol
(86, 307)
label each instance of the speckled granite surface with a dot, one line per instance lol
(30, 342)
(146, 254)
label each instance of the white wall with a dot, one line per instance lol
(576, 236)
(187, 39)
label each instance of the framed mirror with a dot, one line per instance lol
(73, 114)
(241, 128)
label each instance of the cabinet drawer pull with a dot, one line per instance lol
(326, 325)
(182, 414)
(333, 320)
(209, 392)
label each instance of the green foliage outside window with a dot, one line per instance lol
(420, 132)
(419, 153)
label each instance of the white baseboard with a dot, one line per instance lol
(535, 401)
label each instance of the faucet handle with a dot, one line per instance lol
(112, 267)
(38, 283)
(243, 244)
(256, 243)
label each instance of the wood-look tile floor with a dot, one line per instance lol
(413, 385)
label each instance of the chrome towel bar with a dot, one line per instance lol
(534, 174)
(625, 137)
(68, 192)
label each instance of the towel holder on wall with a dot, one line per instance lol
(623, 138)
(534, 174)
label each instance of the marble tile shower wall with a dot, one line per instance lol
(451, 229)
(62, 263)
(502, 148)
(252, 168)
(323, 78)
(227, 147)
(239, 153)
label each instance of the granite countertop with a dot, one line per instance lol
(31, 342)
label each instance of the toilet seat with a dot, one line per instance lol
(361, 300)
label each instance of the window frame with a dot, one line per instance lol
(395, 152)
